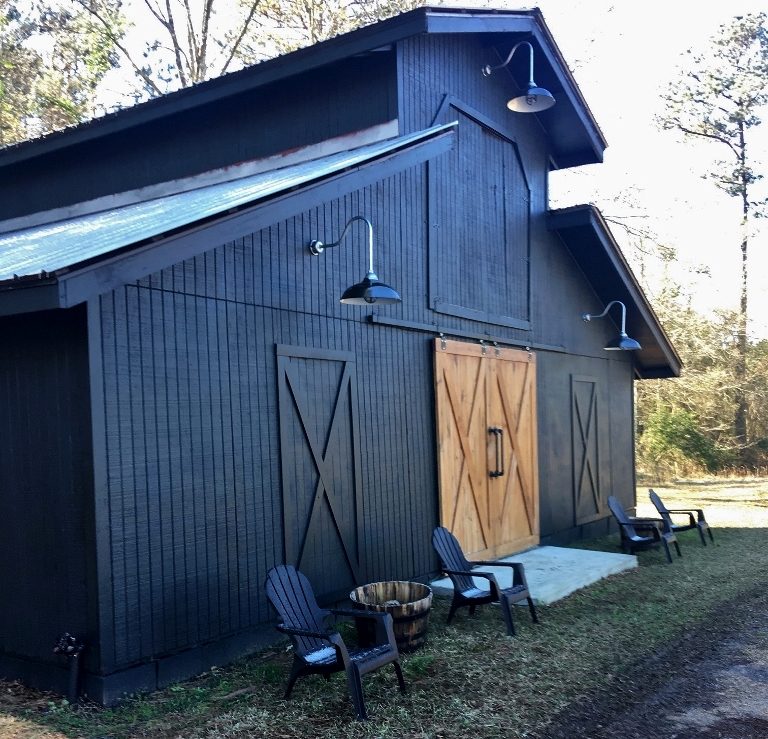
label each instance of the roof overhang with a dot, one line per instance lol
(63, 263)
(587, 237)
(574, 135)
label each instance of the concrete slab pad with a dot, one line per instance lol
(552, 572)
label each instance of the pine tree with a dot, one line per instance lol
(718, 99)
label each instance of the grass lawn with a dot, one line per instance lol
(470, 679)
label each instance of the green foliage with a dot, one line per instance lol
(673, 434)
(718, 98)
(52, 58)
(686, 424)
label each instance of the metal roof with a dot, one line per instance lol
(50, 248)
(571, 119)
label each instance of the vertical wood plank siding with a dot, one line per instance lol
(191, 419)
(46, 486)
(192, 424)
(437, 69)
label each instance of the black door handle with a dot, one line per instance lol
(499, 434)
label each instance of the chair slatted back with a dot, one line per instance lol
(660, 507)
(291, 595)
(451, 555)
(621, 516)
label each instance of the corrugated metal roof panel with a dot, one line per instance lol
(52, 247)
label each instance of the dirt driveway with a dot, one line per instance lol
(712, 685)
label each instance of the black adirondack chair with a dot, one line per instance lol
(697, 522)
(638, 534)
(319, 648)
(466, 593)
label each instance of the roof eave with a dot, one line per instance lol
(561, 221)
(75, 283)
(431, 20)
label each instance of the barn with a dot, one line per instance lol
(185, 401)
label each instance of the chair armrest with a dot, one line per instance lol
(652, 523)
(646, 524)
(518, 576)
(293, 631)
(494, 585)
(385, 633)
(458, 572)
(690, 511)
(361, 613)
(333, 638)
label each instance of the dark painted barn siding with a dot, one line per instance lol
(436, 71)
(192, 432)
(46, 487)
(480, 260)
(191, 417)
(431, 68)
(333, 101)
(556, 439)
(193, 448)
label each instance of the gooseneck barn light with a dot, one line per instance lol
(536, 98)
(623, 342)
(370, 289)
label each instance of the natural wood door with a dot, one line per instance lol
(320, 463)
(486, 430)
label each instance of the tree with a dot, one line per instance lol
(52, 58)
(188, 41)
(717, 100)
(185, 41)
(54, 54)
(686, 424)
(19, 67)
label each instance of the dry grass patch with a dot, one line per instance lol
(471, 679)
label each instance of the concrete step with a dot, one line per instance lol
(552, 572)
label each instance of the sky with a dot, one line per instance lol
(622, 54)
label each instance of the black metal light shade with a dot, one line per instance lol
(370, 289)
(534, 101)
(535, 98)
(623, 342)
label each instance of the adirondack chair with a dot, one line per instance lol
(699, 522)
(466, 593)
(642, 533)
(318, 648)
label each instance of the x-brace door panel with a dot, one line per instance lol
(486, 431)
(514, 496)
(320, 463)
(460, 384)
(589, 503)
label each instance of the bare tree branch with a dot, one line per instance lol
(138, 69)
(715, 137)
(240, 36)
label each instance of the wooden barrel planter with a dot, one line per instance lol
(408, 603)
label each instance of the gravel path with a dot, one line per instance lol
(711, 685)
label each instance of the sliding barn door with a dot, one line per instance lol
(486, 418)
(320, 463)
